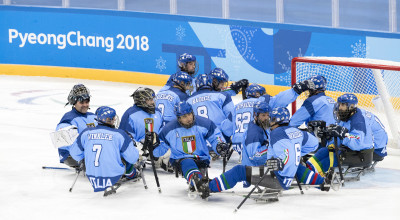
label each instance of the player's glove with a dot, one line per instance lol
(151, 140)
(81, 166)
(223, 149)
(275, 164)
(305, 85)
(337, 131)
(236, 86)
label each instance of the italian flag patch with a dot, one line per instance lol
(286, 156)
(149, 124)
(189, 144)
(352, 136)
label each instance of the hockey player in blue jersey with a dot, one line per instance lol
(220, 82)
(186, 137)
(76, 120)
(108, 153)
(167, 99)
(244, 109)
(214, 105)
(288, 144)
(186, 63)
(354, 132)
(144, 116)
(318, 106)
(285, 148)
(379, 133)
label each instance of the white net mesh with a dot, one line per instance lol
(354, 75)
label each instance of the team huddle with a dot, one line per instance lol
(192, 121)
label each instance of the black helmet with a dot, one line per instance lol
(141, 95)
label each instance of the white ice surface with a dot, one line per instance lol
(30, 109)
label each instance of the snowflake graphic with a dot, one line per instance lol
(359, 49)
(285, 77)
(287, 68)
(161, 64)
(180, 32)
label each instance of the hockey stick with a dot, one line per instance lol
(148, 146)
(255, 187)
(76, 178)
(338, 161)
(244, 92)
(226, 158)
(55, 168)
(298, 184)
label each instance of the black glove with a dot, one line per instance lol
(236, 86)
(337, 131)
(318, 128)
(223, 149)
(275, 164)
(151, 140)
(300, 87)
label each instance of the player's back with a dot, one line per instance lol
(243, 116)
(210, 104)
(102, 148)
(316, 107)
(289, 144)
(166, 101)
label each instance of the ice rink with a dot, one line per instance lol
(30, 109)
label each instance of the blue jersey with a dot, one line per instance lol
(244, 110)
(136, 121)
(290, 144)
(255, 143)
(102, 148)
(189, 143)
(166, 101)
(216, 106)
(81, 121)
(378, 129)
(360, 133)
(316, 107)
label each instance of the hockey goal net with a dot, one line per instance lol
(376, 83)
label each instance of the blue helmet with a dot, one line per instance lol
(218, 76)
(260, 107)
(203, 81)
(253, 89)
(348, 98)
(184, 59)
(182, 79)
(279, 115)
(103, 113)
(319, 82)
(183, 108)
(344, 114)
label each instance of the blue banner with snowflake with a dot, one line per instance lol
(151, 43)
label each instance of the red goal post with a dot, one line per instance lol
(376, 83)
